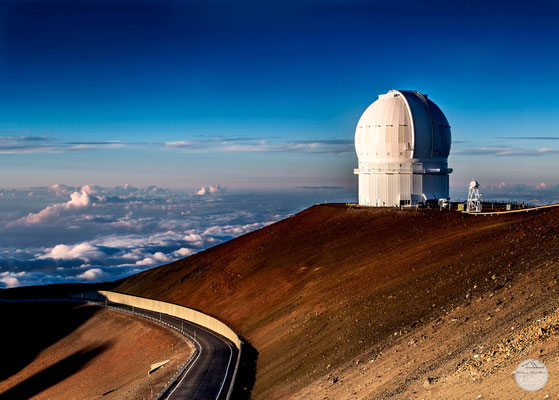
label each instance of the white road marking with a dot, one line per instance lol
(189, 368)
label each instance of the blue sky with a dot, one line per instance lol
(267, 95)
(259, 97)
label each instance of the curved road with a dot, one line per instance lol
(209, 375)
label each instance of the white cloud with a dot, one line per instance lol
(504, 151)
(89, 189)
(250, 145)
(146, 261)
(206, 190)
(182, 144)
(84, 251)
(60, 190)
(300, 146)
(159, 256)
(10, 279)
(183, 252)
(77, 200)
(234, 229)
(193, 238)
(156, 258)
(117, 231)
(93, 274)
(18, 144)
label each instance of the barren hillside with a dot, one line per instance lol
(323, 294)
(69, 351)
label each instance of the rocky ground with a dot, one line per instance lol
(65, 351)
(467, 352)
(342, 302)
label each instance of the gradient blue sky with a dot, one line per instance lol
(267, 94)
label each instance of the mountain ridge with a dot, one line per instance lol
(321, 287)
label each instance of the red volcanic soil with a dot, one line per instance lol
(69, 351)
(322, 293)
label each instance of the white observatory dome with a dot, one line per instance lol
(402, 124)
(402, 141)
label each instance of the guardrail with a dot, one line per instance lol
(512, 211)
(105, 304)
(183, 367)
(188, 314)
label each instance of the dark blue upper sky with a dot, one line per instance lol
(267, 94)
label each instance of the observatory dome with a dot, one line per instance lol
(402, 141)
(402, 124)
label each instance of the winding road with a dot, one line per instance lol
(209, 376)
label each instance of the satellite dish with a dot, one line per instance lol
(444, 203)
(474, 184)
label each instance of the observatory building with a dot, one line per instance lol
(402, 142)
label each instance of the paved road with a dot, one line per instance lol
(209, 376)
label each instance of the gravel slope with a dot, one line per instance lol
(322, 293)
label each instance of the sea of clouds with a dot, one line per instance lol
(91, 233)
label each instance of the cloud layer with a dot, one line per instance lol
(91, 233)
(26, 144)
(77, 200)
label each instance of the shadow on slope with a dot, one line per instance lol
(29, 328)
(246, 374)
(34, 327)
(53, 374)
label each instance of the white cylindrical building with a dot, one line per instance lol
(402, 142)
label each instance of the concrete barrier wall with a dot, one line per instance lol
(185, 313)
